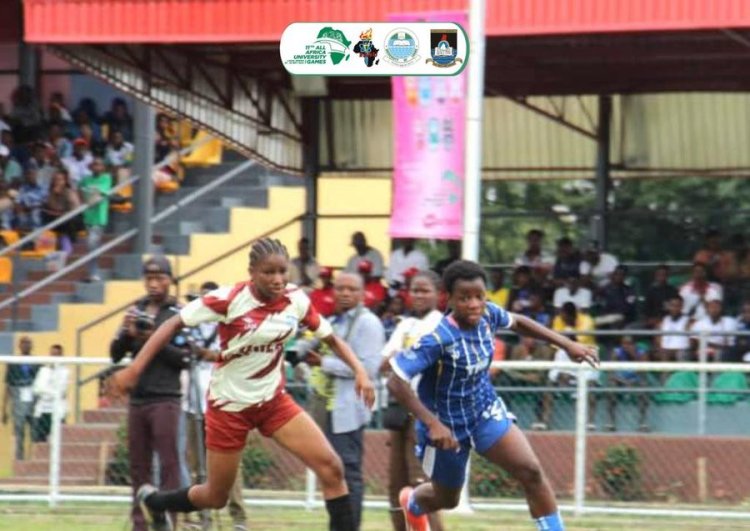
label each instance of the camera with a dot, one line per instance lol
(143, 321)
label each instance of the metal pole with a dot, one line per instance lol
(602, 170)
(55, 438)
(473, 137)
(145, 136)
(582, 406)
(310, 485)
(311, 164)
(702, 382)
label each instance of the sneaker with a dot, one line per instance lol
(539, 426)
(156, 520)
(239, 526)
(413, 522)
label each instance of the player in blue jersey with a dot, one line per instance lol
(457, 407)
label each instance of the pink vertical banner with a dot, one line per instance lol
(429, 115)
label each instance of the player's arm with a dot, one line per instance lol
(577, 351)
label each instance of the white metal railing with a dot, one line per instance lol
(311, 500)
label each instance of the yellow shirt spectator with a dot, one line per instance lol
(583, 322)
(499, 297)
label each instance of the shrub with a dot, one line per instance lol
(619, 473)
(490, 481)
(255, 464)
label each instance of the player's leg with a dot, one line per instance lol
(512, 452)
(417, 475)
(303, 438)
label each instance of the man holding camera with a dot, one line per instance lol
(154, 408)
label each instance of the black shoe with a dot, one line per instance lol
(156, 520)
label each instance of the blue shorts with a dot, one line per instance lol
(448, 467)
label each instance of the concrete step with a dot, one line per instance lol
(105, 416)
(77, 275)
(23, 325)
(73, 481)
(73, 451)
(90, 468)
(59, 286)
(90, 433)
(23, 312)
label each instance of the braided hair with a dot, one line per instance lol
(266, 247)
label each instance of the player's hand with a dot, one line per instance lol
(121, 382)
(441, 437)
(364, 388)
(584, 353)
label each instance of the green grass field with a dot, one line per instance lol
(36, 517)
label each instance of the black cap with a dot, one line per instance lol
(157, 265)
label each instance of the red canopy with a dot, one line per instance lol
(204, 21)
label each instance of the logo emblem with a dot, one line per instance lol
(330, 45)
(444, 48)
(401, 47)
(366, 49)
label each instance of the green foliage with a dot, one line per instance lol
(490, 481)
(255, 464)
(619, 473)
(118, 468)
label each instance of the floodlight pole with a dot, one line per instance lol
(473, 136)
(603, 181)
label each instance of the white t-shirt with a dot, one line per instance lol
(675, 325)
(78, 169)
(121, 156)
(51, 382)
(602, 270)
(724, 324)
(373, 255)
(693, 302)
(252, 334)
(581, 298)
(401, 262)
(562, 356)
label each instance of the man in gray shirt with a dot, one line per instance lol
(348, 416)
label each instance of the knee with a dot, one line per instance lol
(449, 500)
(217, 500)
(330, 470)
(530, 475)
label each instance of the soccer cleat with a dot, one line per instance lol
(413, 521)
(156, 520)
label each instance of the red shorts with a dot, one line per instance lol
(227, 431)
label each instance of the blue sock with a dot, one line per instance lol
(414, 507)
(551, 522)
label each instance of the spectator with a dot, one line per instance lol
(31, 199)
(711, 255)
(567, 262)
(19, 381)
(520, 292)
(119, 156)
(166, 137)
(63, 147)
(628, 351)
(10, 169)
(658, 295)
(364, 252)
(95, 218)
(118, 119)
(674, 347)
(405, 257)
(569, 378)
(498, 355)
(57, 112)
(7, 206)
(374, 292)
(79, 164)
(454, 254)
(742, 344)
(61, 199)
(322, 297)
(41, 162)
(154, 408)
(50, 385)
(570, 319)
(393, 314)
(347, 416)
(718, 347)
(572, 292)
(597, 266)
(498, 293)
(26, 115)
(304, 269)
(697, 291)
(85, 126)
(617, 301)
(95, 143)
(4, 125)
(534, 256)
(530, 349)
(536, 310)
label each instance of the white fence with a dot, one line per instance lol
(709, 482)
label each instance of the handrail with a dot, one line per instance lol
(73, 213)
(127, 235)
(82, 329)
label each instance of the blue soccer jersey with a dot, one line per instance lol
(453, 364)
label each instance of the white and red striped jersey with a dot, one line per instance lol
(252, 334)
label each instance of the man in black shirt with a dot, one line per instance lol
(155, 402)
(19, 379)
(657, 297)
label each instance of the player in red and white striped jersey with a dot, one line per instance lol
(247, 386)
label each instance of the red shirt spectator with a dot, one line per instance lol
(322, 298)
(375, 293)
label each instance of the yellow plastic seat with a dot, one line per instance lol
(44, 245)
(10, 236)
(6, 270)
(208, 154)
